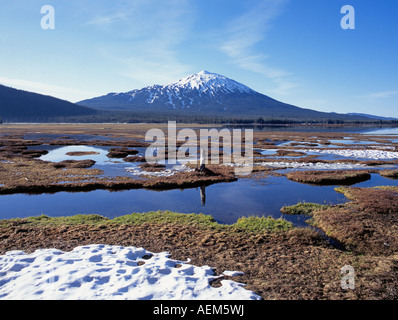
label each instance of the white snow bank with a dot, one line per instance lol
(162, 173)
(232, 273)
(352, 153)
(315, 166)
(382, 147)
(109, 272)
(135, 171)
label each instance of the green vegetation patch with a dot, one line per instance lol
(305, 209)
(388, 188)
(262, 224)
(345, 191)
(161, 217)
(251, 224)
(43, 220)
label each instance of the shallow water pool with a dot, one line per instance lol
(226, 202)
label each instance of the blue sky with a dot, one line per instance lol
(292, 50)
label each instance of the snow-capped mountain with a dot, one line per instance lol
(202, 93)
(196, 92)
(208, 83)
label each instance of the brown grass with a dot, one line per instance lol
(289, 153)
(367, 225)
(297, 264)
(36, 176)
(81, 153)
(74, 164)
(121, 152)
(373, 200)
(333, 177)
(152, 167)
(135, 159)
(22, 172)
(393, 174)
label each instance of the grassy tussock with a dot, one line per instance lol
(303, 208)
(29, 173)
(329, 177)
(366, 225)
(389, 174)
(261, 224)
(250, 224)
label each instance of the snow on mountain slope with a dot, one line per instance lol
(201, 90)
(209, 83)
(204, 93)
(188, 91)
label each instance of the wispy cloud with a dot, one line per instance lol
(107, 20)
(383, 95)
(156, 28)
(248, 30)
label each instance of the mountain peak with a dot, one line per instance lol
(210, 83)
(204, 72)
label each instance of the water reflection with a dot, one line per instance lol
(203, 196)
(228, 201)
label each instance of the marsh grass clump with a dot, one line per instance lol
(121, 152)
(373, 200)
(74, 164)
(134, 159)
(91, 219)
(303, 208)
(27, 174)
(393, 174)
(156, 167)
(289, 153)
(366, 225)
(81, 153)
(329, 177)
(168, 217)
(262, 224)
(245, 224)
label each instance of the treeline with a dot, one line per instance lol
(130, 117)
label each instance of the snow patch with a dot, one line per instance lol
(98, 272)
(314, 166)
(163, 173)
(232, 273)
(364, 154)
(209, 83)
